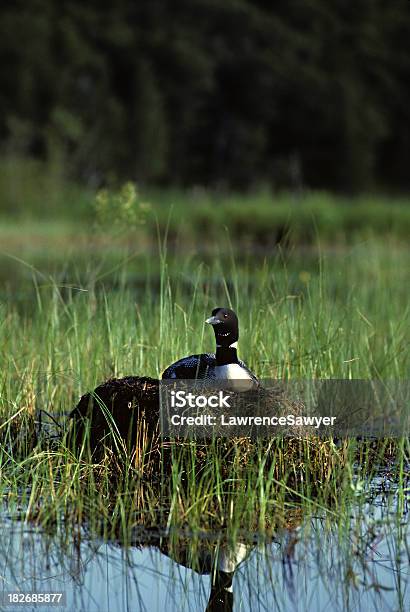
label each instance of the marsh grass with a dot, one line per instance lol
(31, 190)
(333, 316)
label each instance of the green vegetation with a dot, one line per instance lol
(266, 152)
(109, 286)
(233, 93)
(40, 206)
(331, 315)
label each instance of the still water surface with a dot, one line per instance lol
(320, 565)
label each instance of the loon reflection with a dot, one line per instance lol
(220, 563)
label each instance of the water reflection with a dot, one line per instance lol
(313, 566)
(97, 575)
(219, 562)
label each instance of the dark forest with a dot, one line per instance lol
(232, 94)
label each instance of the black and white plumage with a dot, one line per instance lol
(124, 403)
(221, 365)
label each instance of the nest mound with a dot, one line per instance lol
(115, 411)
(125, 412)
(119, 407)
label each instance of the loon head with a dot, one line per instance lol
(225, 324)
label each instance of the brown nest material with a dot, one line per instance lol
(123, 415)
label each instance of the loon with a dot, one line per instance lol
(222, 365)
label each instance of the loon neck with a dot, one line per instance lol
(226, 354)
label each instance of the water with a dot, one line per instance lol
(324, 562)
(357, 560)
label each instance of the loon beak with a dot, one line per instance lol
(213, 321)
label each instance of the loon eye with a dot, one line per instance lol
(225, 315)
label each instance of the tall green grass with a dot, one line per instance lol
(335, 315)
